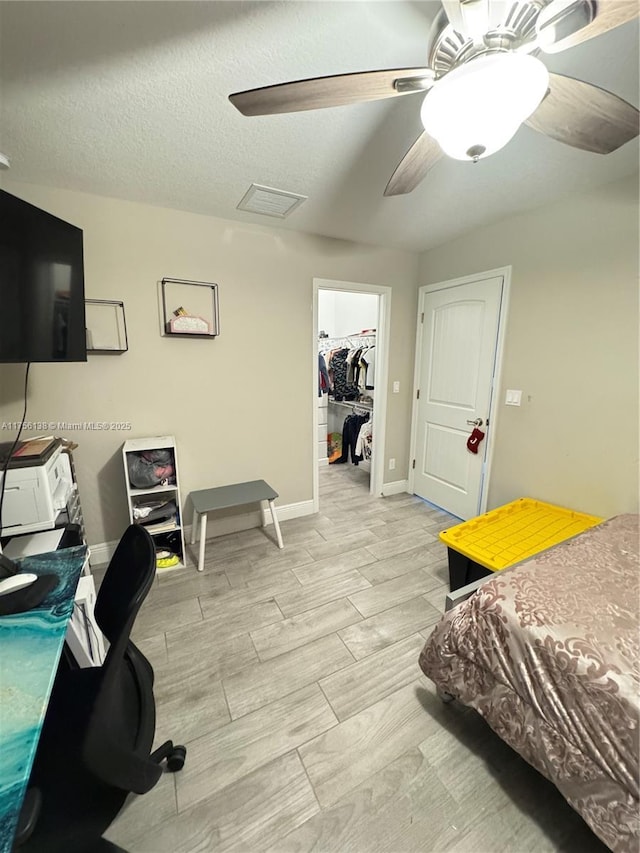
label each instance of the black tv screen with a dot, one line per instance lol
(41, 285)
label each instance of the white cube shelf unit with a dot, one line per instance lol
(168, 535)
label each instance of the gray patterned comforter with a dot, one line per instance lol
(548, 653)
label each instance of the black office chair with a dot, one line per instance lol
(96, 741)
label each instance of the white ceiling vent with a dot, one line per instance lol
(270, 202)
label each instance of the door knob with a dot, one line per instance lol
(476, 423)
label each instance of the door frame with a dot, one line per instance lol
(382, 371)
(494, 405)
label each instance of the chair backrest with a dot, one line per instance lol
(122, 720)
(128, 579)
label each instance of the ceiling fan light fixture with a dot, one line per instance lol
(475, 109)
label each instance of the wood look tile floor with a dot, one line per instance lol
(292, 677)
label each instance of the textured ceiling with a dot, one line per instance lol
(129, 99)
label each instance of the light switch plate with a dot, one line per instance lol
(396, 387)
(514, 398)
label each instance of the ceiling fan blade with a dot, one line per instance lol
(423, 154)
(584, 116)
(609, 14)
(319, 92)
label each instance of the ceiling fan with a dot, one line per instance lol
(483, 80)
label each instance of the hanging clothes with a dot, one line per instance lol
(350, 432)
(349, 367)
(369, 360)
(362, 370)
(364, 443)
(324, 384)
(354, 365)
(343, 389)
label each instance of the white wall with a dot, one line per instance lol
(345, 313)
(571, 346)
(240, 405)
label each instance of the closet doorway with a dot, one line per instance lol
(350, 340)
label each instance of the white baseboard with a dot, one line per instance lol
(103, 551)
(289, 511)
(322, 462)
(395, 488)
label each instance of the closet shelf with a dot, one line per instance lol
(351, 404)
(350, 341)
(152, 490)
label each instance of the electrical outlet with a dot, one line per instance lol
(392, 464)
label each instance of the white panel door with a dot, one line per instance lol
(456, 368)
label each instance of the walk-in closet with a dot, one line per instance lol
(347, 334)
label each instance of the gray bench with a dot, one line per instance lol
(225, 497)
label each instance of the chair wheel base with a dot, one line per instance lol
(176, 760)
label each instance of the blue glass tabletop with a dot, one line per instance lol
(30, 647)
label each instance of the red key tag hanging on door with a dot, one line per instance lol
(474, 440)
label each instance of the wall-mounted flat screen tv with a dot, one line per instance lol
(41, 285)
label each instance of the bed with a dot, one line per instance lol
(548, 653)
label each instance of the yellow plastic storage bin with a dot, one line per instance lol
(507, 535)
